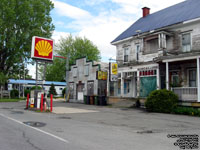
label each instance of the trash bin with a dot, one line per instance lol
(102, 101)
(91, 100)
(88, 100)
(85, 99)
(96, 102)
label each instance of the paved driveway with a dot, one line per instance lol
(87, 127)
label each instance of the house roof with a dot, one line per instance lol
(172, 15)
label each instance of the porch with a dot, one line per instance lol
(188, 94)
(183, 78)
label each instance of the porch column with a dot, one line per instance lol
(122, 85)
(198, 80)
(158, 78)
(108, 83)
(167, 76)
(138, 84)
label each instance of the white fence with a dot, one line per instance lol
(4, 93)
(186, 93)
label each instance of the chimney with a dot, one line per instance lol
(146, 11)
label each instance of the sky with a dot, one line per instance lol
(100, 21)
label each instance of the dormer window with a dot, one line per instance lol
(126, 54)
(186, 42)
(75, 72)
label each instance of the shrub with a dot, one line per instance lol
(187, 111)
(161, 101)
(38, 88)
(63, 92)
(52, 90)
(26, 91)
(14, 93)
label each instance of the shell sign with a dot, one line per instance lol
(42, 48)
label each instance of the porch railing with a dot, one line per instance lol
(186, 93)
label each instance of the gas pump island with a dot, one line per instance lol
(42, 53)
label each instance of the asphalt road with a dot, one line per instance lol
(85, 127)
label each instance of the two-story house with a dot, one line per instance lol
(161, 50)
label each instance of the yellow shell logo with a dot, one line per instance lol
(43, 48)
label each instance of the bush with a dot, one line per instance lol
(187, 111)
(52, 90)
(161, 101)
(14, 93)
(26, 91)
(38, 88)
(63, 92)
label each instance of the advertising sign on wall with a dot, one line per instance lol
(101, 75)
(42, 48)
(114, 68)
(113, 71)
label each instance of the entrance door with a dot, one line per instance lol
(79, 91)
(147, 85)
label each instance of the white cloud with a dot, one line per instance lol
(107, 25)
(32, 71)
(56, 35)
(64, 9)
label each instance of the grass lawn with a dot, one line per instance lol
(11, 99)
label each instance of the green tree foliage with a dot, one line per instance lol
(76, 48)
(52, 90)
(36, 87)
(14, 93)
(56, 71)
(19, 21)
(3, 79)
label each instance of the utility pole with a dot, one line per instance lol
(67, 78)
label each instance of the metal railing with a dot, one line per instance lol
(186, 93)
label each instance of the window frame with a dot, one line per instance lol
(86, 70)
(137, 51)
(75, 72)
(127, 55)
(189, 77)
(184, 45)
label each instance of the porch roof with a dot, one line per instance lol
(180, 57)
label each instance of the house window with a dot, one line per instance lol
(175, 81)
(86, 71)
(126, 87)
(75, 72)
(90, 88)
(192, 78)
(186, 42)
(137, 51)
(126, 53)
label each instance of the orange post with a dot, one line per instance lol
(41, 104)
(51, 103)
(27, 101)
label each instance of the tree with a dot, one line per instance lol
(76, 48)
(3, 80)
(52, 90)
(19, 21)
(56, 71)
